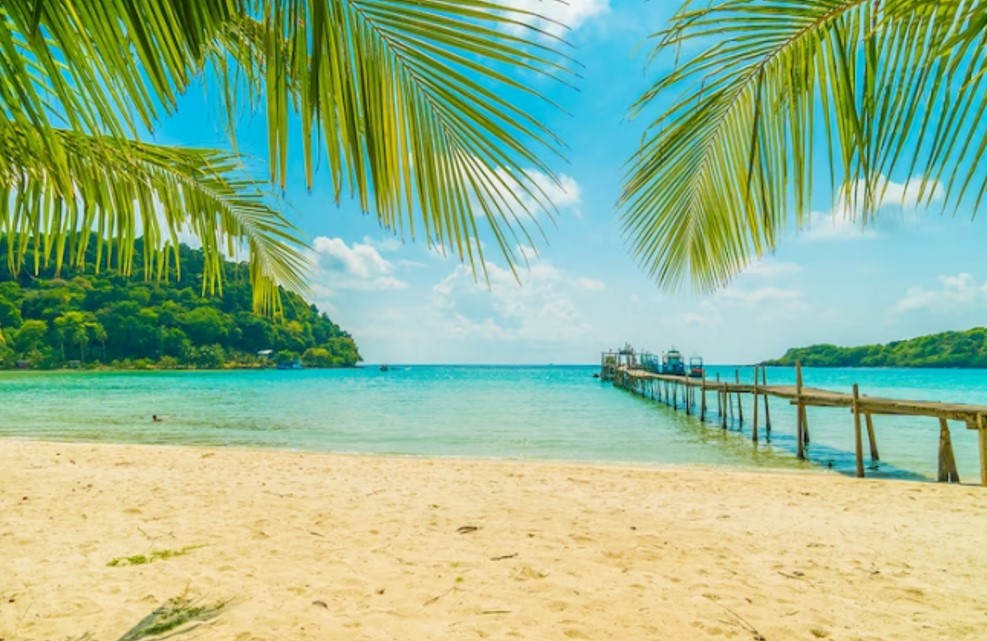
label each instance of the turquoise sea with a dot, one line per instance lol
(516, 412)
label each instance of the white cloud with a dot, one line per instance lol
(563, 192)
(386, 244)
(767, 303)
(360, 267)
(911, 193)
(771, 267)
(837, 224)
(540, 309)
(707, 315)
(842, 223)
(961, 290)
(557, 17)
(589, 284)
(756, 296)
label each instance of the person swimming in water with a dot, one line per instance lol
(156, 419)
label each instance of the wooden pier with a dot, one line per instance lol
(624, 368)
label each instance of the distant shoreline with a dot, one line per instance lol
(946, 350)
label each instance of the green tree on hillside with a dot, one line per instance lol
(109, 320)
(772, 93)
(949, 349)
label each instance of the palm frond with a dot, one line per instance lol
(421, 107)
(418, 103)
(123, 189)
(870, 88)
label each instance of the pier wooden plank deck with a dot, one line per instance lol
(827, 398)
(628, 375)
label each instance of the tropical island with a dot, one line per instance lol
(963, 349)
(84, 319)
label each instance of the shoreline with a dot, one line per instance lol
(319, 545)
(809, 468)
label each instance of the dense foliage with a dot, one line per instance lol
(106, 319)
(949, 349)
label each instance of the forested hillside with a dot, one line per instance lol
(87, 319)
(949, 349)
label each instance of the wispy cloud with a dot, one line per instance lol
(357, 267)
(512, 192)
(954, 292)
(837, 224)
(540, 309)
(557, 17)
(844, 223)
(771, 267)
(768, 303)
(384, 244)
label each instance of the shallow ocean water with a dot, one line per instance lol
(517, 412)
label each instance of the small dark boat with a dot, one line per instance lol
(384, 367)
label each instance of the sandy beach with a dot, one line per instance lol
(313, 546)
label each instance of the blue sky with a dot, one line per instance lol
(910, 273)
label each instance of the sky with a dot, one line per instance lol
(910, 273)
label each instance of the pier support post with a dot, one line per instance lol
(858, 437)
(754, 435)
(723, 404)
(740, 403)
(874, 456)
(727, 401)
(702, 407)
(687, 392)
(947, 461)
(800, 421)
(719, 401)
(982, 429)
(767, 410)
(675, 396)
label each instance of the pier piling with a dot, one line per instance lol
(947, 461)
(874, 456)
(800, 412)
(754, 435)
(767, 410)
(858, 439)
(740, 405)
(982, 428)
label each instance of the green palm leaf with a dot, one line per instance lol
(416, 102)
(867, 88)
(123, 189)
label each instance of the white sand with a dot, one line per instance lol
(327, 547)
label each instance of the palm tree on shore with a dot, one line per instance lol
(771, 93)
(411, 106)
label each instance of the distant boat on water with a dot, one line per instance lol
(696, 369)
(672, 363)
(295, 364)
(384, 367)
